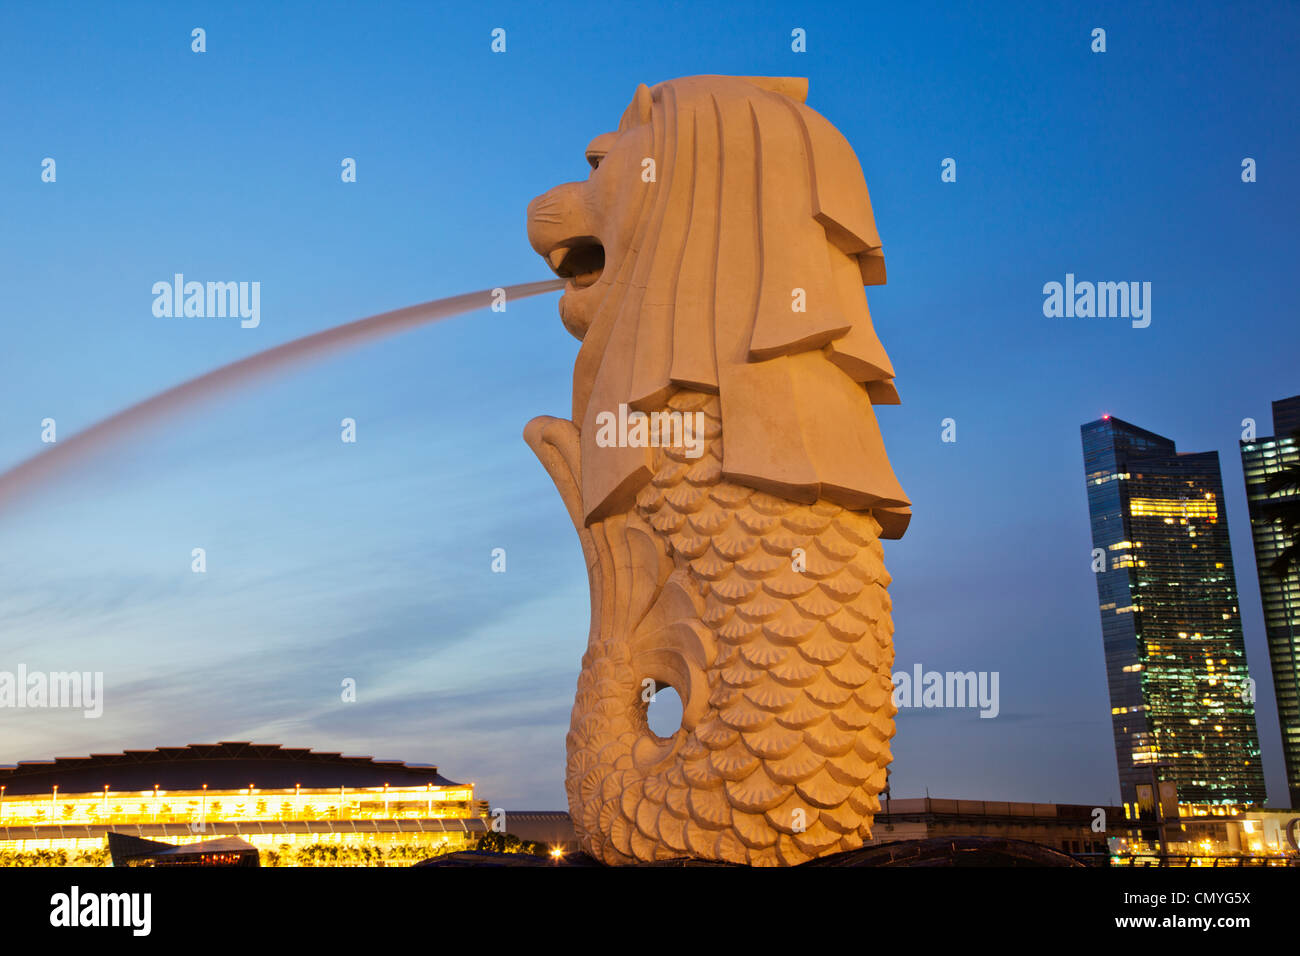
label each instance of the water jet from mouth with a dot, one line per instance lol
(27, 475)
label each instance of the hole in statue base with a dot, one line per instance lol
(664, 712)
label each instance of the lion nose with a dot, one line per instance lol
(557, 215)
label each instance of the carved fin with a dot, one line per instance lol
(556, 444)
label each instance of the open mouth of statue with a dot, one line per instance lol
(580, 260)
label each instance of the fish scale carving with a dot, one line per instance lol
(788, 755)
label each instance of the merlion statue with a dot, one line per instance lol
(726, 477)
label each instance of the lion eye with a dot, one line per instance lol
(598, 147)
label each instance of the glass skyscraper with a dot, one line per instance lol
(1279, 585)
(1175, 657)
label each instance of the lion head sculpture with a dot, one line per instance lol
(721, 243)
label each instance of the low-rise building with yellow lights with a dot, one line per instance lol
(297, 806)
(1208, 835)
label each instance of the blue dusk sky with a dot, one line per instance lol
(372, 561)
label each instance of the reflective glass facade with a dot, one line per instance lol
(1175, 658)
(1279, 588)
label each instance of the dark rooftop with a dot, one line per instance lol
(229, 765)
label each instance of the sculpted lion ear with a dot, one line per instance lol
(795, 87)
(638, 111)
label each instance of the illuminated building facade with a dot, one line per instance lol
(1269, 497)
(1175, 658)
(1254, 837)
(296, 806)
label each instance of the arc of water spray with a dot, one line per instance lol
(29, 474)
